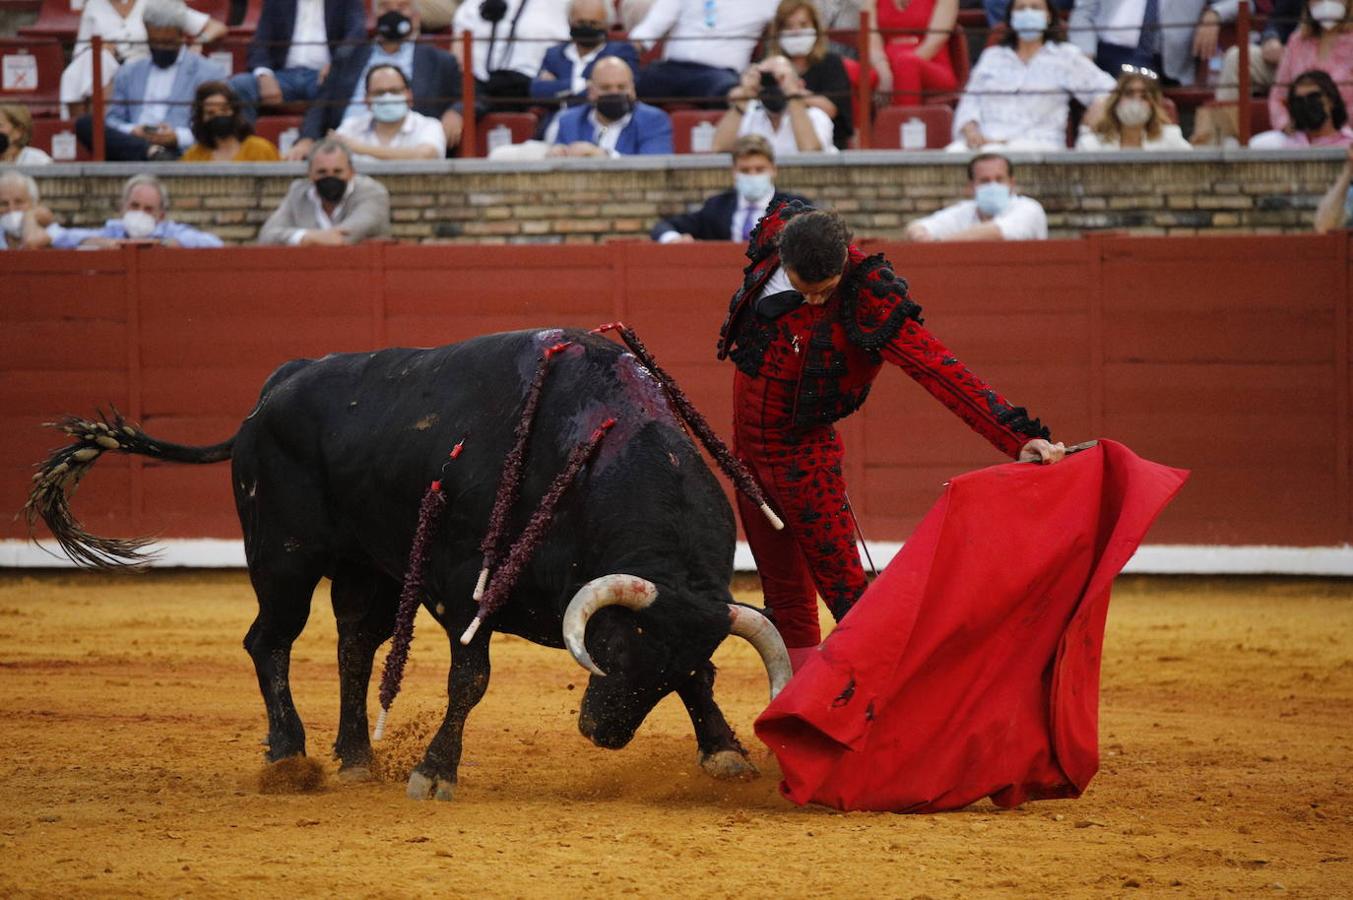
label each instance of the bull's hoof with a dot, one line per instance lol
(355, 774)
(427, 787)
(729, 765)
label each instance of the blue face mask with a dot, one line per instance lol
(389, 107)
(1029, 24)
(753, 187)
(992, 198)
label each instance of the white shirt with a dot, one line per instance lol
(32, 156)
(757, 121)
(154, 108)
(777, 283)
(309, 48)
(744, 211)
(321, 217)
(542, 24)
(1022, 220)
(416, 130)
(719, 33)
(578, 83)
(1111, 21)
(127, 36)
(607, 135)
(1012, 100)
(1171, 138)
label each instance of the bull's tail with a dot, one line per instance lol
(60, 473)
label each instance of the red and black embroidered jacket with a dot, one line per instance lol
(868, 320)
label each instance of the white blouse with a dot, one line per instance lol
(127, 36)
(1171, 138)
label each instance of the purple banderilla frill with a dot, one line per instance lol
(731, 465)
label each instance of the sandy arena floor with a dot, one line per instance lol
(129, 765)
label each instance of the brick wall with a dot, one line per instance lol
(585, 201)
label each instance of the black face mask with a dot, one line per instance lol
(587, 35)
(164, 57)
(330, 188)
(1308, 111)
(4, 144)
(219, 127)
(613, 107)
(493, 10)
(394, 26)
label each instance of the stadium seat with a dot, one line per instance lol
(57, 19)
(521, 125)
(271, 127)
(684, 123)
(46, 129)
(32, 73)
(938, 119)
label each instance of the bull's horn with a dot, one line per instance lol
(608, 590)
(757, 630)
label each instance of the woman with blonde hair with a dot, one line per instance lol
(797, 33)
(1135, 118)
(16, 133)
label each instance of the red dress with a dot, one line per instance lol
(911, 74)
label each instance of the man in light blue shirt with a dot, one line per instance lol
(144, 201)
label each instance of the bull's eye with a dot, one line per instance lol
(638, 630)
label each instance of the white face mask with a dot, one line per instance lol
(12, 223)
(1029, 24)
(1133, 112)
(992, 198)
(138, 223)
(798, 42)
(752, 187)
(1328, 13)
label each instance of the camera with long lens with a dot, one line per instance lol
(772, 96)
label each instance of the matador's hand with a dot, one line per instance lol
(1041, 451)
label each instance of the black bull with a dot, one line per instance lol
(328, 471)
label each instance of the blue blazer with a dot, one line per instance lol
(649, 130)
(129, 88)
(435, 84)
(712, 221)
(344, 28)
(561, 67)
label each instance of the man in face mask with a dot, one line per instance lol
(143, 220)
(21, 218)
(995, 212)
(432, 74)
(732, 215)
(149, 114)
(391, 129)
(612, 122)
(331, 206)
(567, 67)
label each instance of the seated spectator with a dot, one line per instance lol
(612, 123)
(797, 34)
(433, 74)
(144, 203)
(1316, 116)
(510, 40)
(121, 25)
(731, 215)
(1213, 125)
(293, 47)
(390, 129)
(706, 43)
(996, 212)
(152, 98)
(332, 206)
(1335, 210)
(22, 224)
(771, 101)
(222, 132)
(1135, 118)
(1019, 94)
(564, 72)
(909, 47)
(1322, 41)
(16, 131)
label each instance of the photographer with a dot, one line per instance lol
(770, 100)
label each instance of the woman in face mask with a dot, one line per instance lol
(221, 131)
(797, 34)
(1317, 116)
(1323, 40)
(1135, 118)
(16, 130)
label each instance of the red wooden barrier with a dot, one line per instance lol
(1229, 356)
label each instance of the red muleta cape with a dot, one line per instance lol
(971, 666)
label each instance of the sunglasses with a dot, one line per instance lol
(1129, 69)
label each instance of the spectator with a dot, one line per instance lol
(145, 200)
(332, 206)
(1018, 95)
(798, 35)
(1135, 118)
(839, 14)
(152, 98)
(732, 214)
(1316, 116)
(706, 44)
(16, 131)
(390, 129)
(221, 131)
(1336, 207)
(997, 10)
(433, 74)
(996, 212)
(612, 123)
(1220, 123)
(1116, 33)
(910, 47)
(21, 218)
(1324, 41)
(771, 101)
(295, 44)
(121, 25)
(510, 41)
(564, 72)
